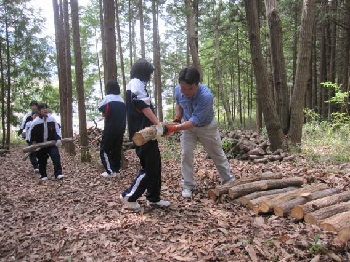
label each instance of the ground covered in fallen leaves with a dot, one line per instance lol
(80, 218)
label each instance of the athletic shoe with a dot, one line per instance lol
(131, 206)
(36, 170)
(160, 203)
(60, 176)
(229, 181)
(186, 193)
(44, 178)
(105, 174)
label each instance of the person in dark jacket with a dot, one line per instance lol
(114, 111)
(32, 155)
(140, 113)
(27, 118)
(45, 128)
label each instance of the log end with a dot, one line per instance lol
(297, 213)
(264, 207)
(212, 195)
(327, 227)
(138, 139)
(344, 234)
(309, 219)
(278, 211)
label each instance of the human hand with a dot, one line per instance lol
(177, 119)
(169, 130)
(58, 143)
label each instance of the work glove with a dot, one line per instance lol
(177, 119)
(58, 143)
(169, 130)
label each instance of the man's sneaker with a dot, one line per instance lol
(229, 181)
(105, 174)
(160, 203)
(131, 206)
(43, 178)
(187, 193)
(60, 176)
(36, 170)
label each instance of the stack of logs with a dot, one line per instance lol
(248, 145)
(315, 203)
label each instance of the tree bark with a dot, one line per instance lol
(337, 222)
(142, 31)
(191, 35)
(264, 93)
(316, 216)
(278, 63)
(245, 189)
(284, 208)
(84, 142)
(302, 72)
(110, 71)
(268, 205)
(299, 211)
(121, 56)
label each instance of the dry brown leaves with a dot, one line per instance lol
(80, 218)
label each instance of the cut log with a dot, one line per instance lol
(336, 222)
(37, 146)
(344, 234)
(245, 189)
(299, 211)
(248, 200)
(267, 206)
(315, 217)
(143, 136)
(220, 190)
(284, 208)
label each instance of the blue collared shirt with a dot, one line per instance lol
(197, 109)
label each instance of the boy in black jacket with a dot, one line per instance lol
(45, 128)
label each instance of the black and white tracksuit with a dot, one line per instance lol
(114, 111)
(45, 129)
(149, 177)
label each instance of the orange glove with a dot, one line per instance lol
(177, 119)
(169, 130)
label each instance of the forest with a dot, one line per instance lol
(279, 71)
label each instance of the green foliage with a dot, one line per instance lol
(316, 245)
(340, 97)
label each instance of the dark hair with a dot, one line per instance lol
(33, 103)
(112, 87)
(142, 69)
(189, 75)
(35, 111)
(42, 106)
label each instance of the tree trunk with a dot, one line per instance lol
(315, 218)
(264, 93)
(84, 142)
(346, 56)
(142, 31)
(302, 72)
(103, 48)
(337, 222)
(299, 211)
(110, 71)
(68, 97)
(130, 18)
(191, 35)
(3, 116)
(122, 67)
(281, 209)
(278, 63)
(8, 97)
(218, 68)
(245, 189)
(267, 206)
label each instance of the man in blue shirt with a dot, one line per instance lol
(194, 106)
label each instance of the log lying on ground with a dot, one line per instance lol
(37, 146)
(299, 211)
(223, 189)
(326, 212)
(245, 189)
(250, 199)
(337, 222)
(284, 208)
(344, 234)
(268, 205)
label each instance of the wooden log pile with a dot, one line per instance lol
(315, 203)
(248, 145)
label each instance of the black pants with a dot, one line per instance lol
(149, 177)
(33, 158)
(52, 152)
(111, 152)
